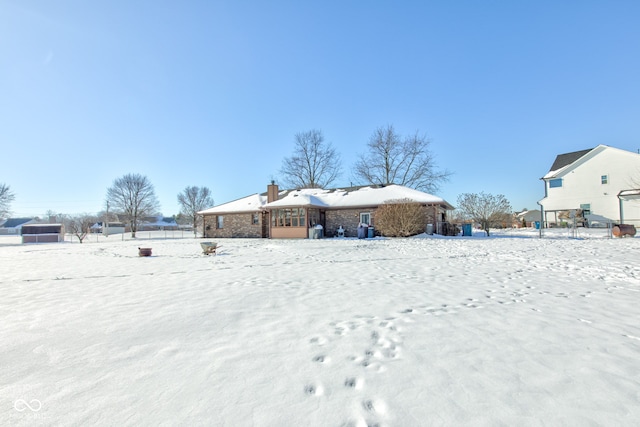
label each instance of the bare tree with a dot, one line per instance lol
(79, 225)
(6, 197)
(401, 218)
(134, 196)
(193, 200)
(392, 159)
(488, 210)
(314, 163)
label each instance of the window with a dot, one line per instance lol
(586, 209)
(220, 223)
(555, 183)
(365, 218)
(288, 217)
(255, 219)
(604, 179)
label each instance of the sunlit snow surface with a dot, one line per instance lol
(507, 330)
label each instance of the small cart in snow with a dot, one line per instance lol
(209, 248)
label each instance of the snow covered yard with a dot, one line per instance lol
(507, 330)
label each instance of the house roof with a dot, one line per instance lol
(252, 203)
(300, 198)
(16, 222)
(563, 160)
(353, 197)
(569, 161)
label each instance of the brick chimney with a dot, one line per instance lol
(272, 192)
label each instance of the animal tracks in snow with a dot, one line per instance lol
(376, 344)
(351, 357)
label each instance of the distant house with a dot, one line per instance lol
(529, 217)
(112, 228)
(12, 226)
(291, 213)
(594, 183)
(158, 223)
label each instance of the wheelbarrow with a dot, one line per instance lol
(209, 248)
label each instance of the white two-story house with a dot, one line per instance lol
(603, 182)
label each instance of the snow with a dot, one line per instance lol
(299, 198)
(318, 197)
(365, 196)
(506, 330)
(251, 203)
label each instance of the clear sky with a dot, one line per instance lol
(211, 93)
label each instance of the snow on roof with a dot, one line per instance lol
(321, 198)
(305, 197)
(365, 196)
(252, 203)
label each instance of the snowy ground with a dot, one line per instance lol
(507, 330)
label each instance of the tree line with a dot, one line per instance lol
(389, 158)
(131, 198)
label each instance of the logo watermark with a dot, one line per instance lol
(22, 405)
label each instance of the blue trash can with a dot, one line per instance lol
(466, 230)
(537, 225)
(370, 231)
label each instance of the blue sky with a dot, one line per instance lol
(211, 93)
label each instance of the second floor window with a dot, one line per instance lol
(604, 179)
(555, 183)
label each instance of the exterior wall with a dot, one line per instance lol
(289, 232)
(42, 238)
(112, 230)
(235, 225)
(240, 224)
(350, 219)
(582, 185)
(41, 233)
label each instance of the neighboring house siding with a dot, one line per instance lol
(234, 225)
(583, 184)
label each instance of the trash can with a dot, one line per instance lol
(537, 225)
(315, 232)
(370, 231)
(362, 232)
(429, 228)
(466, 230)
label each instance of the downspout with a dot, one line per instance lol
(542, 215)
(620, 205)
(541, 219)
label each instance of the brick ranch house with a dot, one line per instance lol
(290, 213)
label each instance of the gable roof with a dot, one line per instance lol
(16, 222)
(339, 198)
(569, 161)
(252, 203)
(563, 160)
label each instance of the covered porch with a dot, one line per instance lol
(297, 218)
